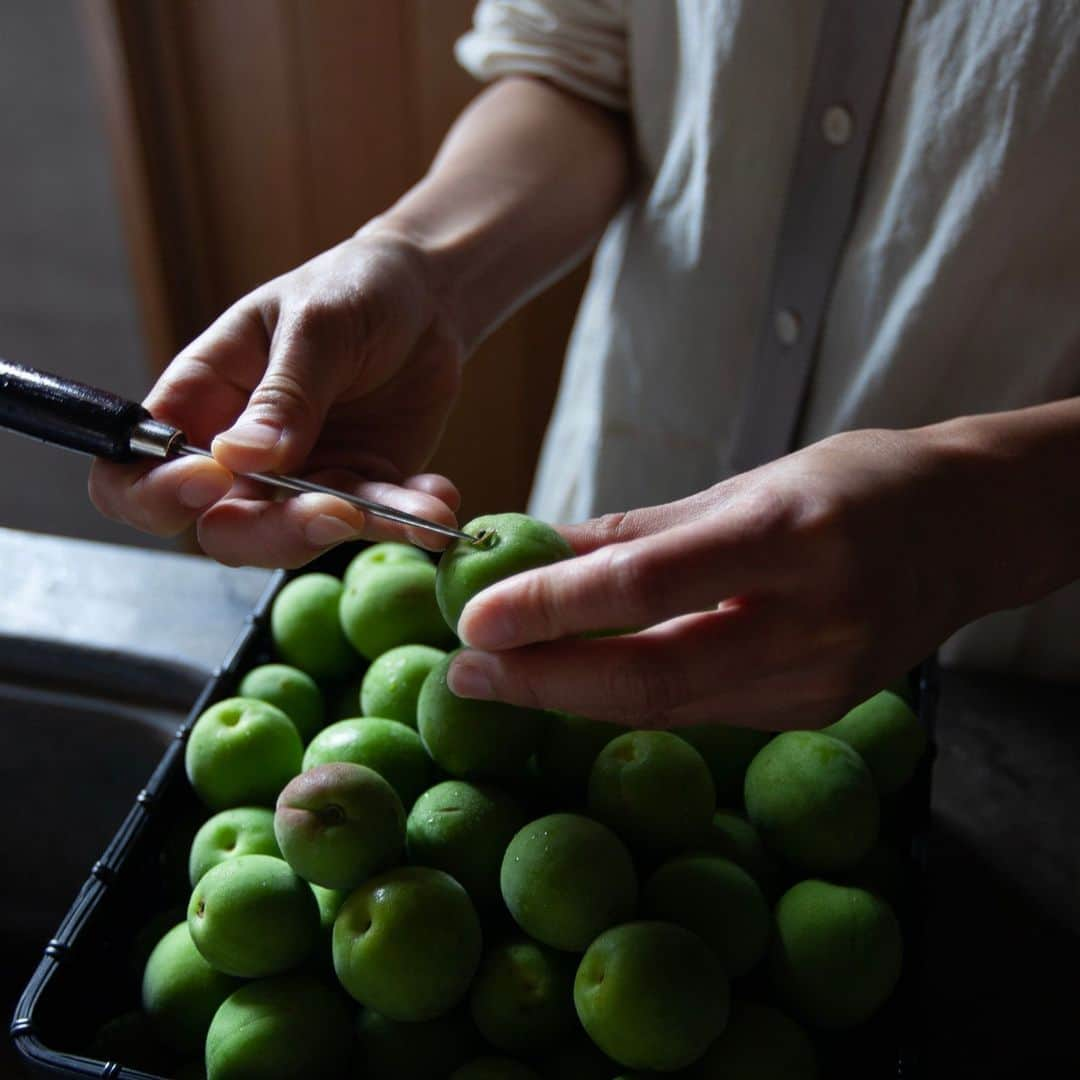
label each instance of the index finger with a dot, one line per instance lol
(205, 388)
(691, 568)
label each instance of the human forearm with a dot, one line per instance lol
(1015, 500)
(522, 187)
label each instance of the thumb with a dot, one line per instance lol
(286, 411)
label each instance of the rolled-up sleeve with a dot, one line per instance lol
(579, 45)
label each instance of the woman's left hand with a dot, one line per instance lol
(776, 599)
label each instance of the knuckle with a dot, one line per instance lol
(518, 685)
(282, 392)
(368, 315)
(538, 599)
(768, 512)
(316, 318)
(644, 685)
(611, 528)
(824, 520)
(528, 695)
(635, 579)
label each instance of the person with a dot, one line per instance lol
(934, 494)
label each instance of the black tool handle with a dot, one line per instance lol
(67, 413)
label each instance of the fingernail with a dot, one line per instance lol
(468, 678)
(202, 490)
(327, 530)
(252, 435)
(495, 629)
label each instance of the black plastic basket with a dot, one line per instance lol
(85, 976)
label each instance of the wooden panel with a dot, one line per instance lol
(355, 111)
(133, 49)
(247, 120)
(251, 134)
(109, 58)
(440, 87)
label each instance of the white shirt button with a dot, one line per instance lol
(837, 125)
(788, 326)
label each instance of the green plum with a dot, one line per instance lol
(181, 992)
(242, 752)
(759, 1043)
(391, 687)
(836, 953)
(464, 829)
(716, 899)
(280, 1029)
(512, 543)
(382, 554)
(522, 999)
(392, 749)
(732, 836)
(338, 824)
(566, 878)
(888, 737)
(727, 750)
(812, 799)
(566, 754)
(293, 691)
(651, 995)
(306, 630)
(241, 830)
(494, 1068)
(253, 916)
(391, 605)
(654, 790)
(150, 933)
(475, 739)
(393, 1050)
(408, 943)
(884, 871)
(330, 902)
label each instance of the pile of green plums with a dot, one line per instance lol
(391, 883)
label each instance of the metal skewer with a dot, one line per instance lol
(292, 483)
(90, 420)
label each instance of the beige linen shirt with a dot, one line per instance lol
(958, 291)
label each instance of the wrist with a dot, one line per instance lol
(1008, 539)
(428, 264)
(474, 251)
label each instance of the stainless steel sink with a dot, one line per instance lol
(103, 650)
(81, 730)
(73, 756)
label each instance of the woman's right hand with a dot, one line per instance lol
(343, 371)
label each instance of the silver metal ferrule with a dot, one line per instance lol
(152, 438)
